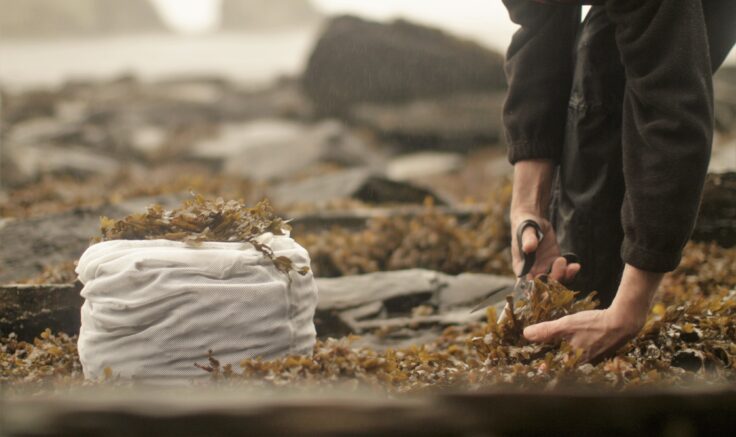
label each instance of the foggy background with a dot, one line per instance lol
(264, 91)
(272, 38)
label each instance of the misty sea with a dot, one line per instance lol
(253, 58)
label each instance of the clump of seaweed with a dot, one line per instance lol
(432, 240)
(57, 193)
(200, 220)
(690, 341)
(49, 360)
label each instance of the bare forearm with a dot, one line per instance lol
(634, 297)
(532, 187)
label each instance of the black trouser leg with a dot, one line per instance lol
(591, 186)
(720, 21)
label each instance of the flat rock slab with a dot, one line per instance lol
(447, 291)
(275, 149)
(27, 310)
(362, 303)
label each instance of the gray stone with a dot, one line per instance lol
(456, 122)
(354, 291)
(417, 165)
(363, 303)
(471, 288)
(28, 245)
(30, 162)
(360, 183)
(27, 310)
(358, 61)
(42, 130)
(277, 149)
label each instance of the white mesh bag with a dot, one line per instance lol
(153, 308)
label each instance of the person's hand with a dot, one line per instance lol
(530, 200)
(548, 250)
(600, 333)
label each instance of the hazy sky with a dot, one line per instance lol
(485, 20)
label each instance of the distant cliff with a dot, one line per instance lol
(265, 14)
(57, 18)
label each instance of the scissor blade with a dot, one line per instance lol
(490, 298)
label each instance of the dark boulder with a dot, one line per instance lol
(358, 61)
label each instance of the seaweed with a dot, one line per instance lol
(432, 240)
(201, 220)
(689, 339)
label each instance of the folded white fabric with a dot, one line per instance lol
(155, 307)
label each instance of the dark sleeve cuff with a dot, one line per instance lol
(526, 150)
(649, 260)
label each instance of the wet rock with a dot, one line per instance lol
(390, 300)
(358, 61)
(27, 310)
(456, 122)
(354, 291)
(30, 244)
(251, 15)
(30, 162)
(417, 165)
(467, 288)
(42, 131)
(53, 18)
(277, 149)
(361, 184)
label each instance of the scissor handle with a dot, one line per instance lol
(529, 258)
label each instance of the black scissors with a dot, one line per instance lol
(523, 283)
